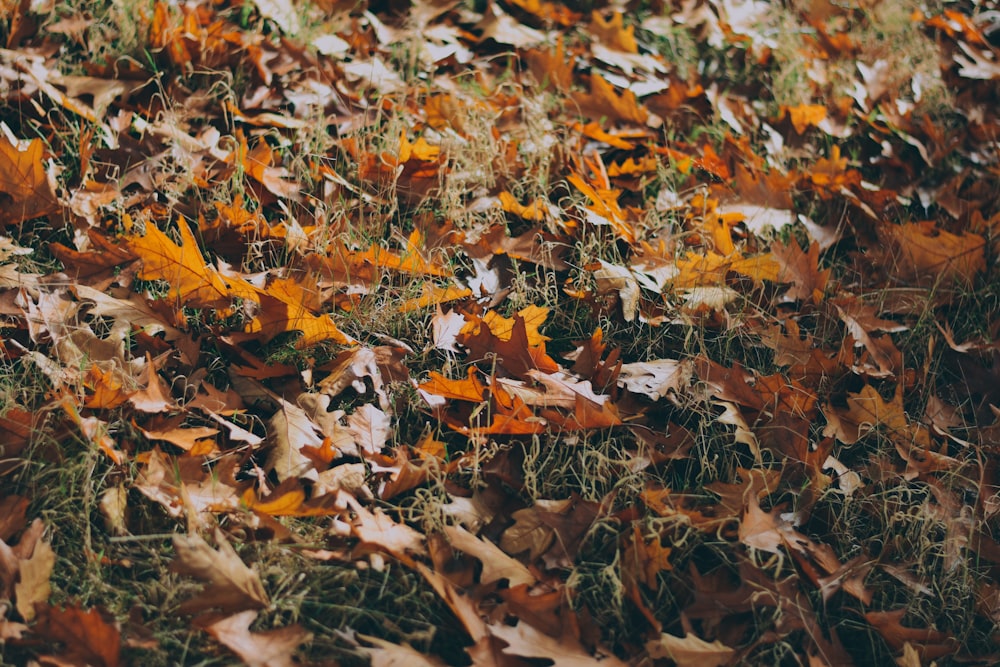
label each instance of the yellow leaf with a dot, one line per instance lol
(284, 307)
(434, 294)
(805, 115)
(503, 327)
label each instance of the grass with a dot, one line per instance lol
(914, 530)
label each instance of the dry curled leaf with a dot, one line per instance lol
(230, 586)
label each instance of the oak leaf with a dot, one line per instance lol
(33, 586)
(513, 352)
(613, 32)
(603, 101)
(377, 529)
(192, 282)
(271, 648)
(497, 565)
(526, 641)
(929, 643)
(802, 270)
(383, 653)
(690, 650)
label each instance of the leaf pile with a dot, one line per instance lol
(639, 338)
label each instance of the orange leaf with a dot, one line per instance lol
(928, 256)
(192, 282)
(23, 179)
(805, 115)
(283, 307)
(106, 387)
(603, 101)
(605, 205)
(469, 389)
(614, 33)
(503, 327)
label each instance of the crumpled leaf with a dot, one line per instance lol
(231, 586)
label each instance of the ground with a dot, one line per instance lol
(499, 333)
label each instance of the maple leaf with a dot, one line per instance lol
(24, 180)
(271, 648)
(230, 585)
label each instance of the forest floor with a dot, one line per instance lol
(501, 333)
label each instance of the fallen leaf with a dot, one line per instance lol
(230, 586)
(525, 641)
(497, 565)
(24, 181)
(270, 648)
(87, 638)
(690, 650)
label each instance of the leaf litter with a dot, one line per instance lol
(612, 329)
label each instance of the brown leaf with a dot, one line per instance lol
(760, 529)
(271, 648)
(155, 396)
(920, 253)
(230, 585)
(87, 638)
(690, 651)
(497, 565)
(33, 587)
(13, 512)
(376, 529)
(930, 643)
(386, 654)
(524, 640)
(512, 351)
(802, 270)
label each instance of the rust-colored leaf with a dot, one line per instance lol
(24, 182)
